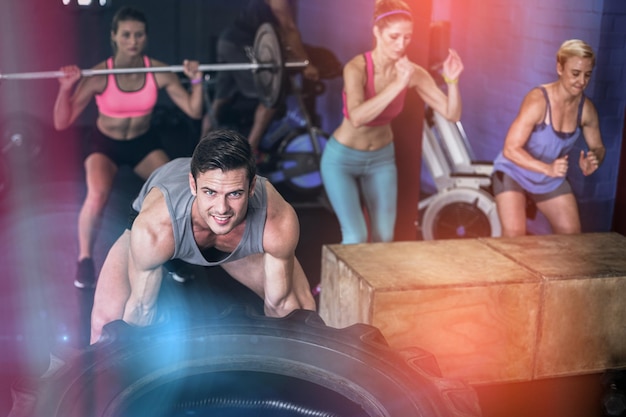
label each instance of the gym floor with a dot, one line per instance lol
(42, 310)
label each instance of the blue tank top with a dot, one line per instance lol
(546, 145)
(173, 181)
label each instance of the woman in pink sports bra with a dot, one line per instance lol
(358, 163)
(122, 135)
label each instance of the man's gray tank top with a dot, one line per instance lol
(173, 181)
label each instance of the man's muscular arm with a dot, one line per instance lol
(151, 245)
(286, 287)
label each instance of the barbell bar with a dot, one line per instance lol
(170, 68)
(267, 65)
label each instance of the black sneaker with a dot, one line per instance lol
(85, 274)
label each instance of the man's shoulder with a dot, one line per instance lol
(154, 214)
(153, 228)
(281, 229)
(154, 201)
(278, 209)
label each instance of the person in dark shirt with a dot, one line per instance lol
(231, 47)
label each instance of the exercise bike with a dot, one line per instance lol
(292, 145)
(463, 205)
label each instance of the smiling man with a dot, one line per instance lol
(210, 209)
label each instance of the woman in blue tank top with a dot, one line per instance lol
(534, 161)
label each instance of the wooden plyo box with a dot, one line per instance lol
(491, 310)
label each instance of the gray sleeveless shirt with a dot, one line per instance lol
(173, 181)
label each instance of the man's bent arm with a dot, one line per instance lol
(141, 306)
(151, 245)
(286, 286)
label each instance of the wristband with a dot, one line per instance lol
(449, 80)
(196, 81)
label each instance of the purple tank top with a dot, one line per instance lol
(546, 145)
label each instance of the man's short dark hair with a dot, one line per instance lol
(223, 149)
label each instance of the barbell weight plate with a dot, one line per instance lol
(270, 79)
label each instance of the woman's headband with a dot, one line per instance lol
(405, 12)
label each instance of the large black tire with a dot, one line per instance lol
(245, 364)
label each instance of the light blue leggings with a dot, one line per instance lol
(347, 173)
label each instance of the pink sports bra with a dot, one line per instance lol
(391, 111)
(114, 102)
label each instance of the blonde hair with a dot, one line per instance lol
(387, 11)
(575, 47)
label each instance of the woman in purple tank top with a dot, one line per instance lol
(534, 161)
(358, 163)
